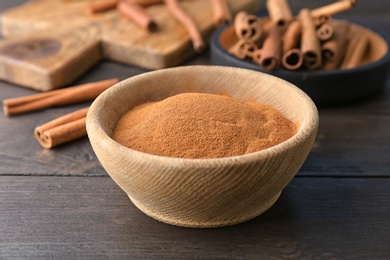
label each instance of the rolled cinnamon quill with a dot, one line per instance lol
(95, 6)
(325, 31)
(243, 49)
(62, 129)
(148, 2)
(334, 49)
(18, 101)
(320, 20)
(221, 12)
(292, 57)
(356, 50)
(256, 56)
(247, 27)
(271, 50)
(182, 16)
(71, 95)
(292, 36)
(279, 12)
(334, 8)
(310, 45)
(135, 12)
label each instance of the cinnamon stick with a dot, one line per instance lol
(135, 12)
(62, 129)
(270, 54)
(310, 45)
(247, 26)
(356, 50)
(325, 31)
(12, 102)
(279, 12)
(80, 93)
(182, 16)
(292, 57)
(95, 6)
(334, 8)
(243, 49)
(292, 36)
(148, 2)
(221, 11)
(320, 20)
(256, 56)
(334, 49)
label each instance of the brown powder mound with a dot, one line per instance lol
(194, 125)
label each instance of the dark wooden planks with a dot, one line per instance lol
(352, 140)
(21, 154)
(317, 217)
(351, 143)
(91, 218)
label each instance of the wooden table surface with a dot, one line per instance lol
(61, 204)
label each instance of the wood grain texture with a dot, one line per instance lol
(20, 154)
(202, 192)
(336, 208)
(90, 218)
(86, 38)
(33, 64)
(354, 145)
(352, 140)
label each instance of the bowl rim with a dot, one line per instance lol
(239, 62)
(93, 126)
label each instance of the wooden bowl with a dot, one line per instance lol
(202, 192)
(325, 87)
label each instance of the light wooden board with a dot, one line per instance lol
(50, 43)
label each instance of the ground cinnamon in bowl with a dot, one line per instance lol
(198, 125)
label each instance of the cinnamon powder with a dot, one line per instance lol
(195, 125)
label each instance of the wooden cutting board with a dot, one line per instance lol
(50, 43)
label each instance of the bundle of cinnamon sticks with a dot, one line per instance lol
(135, 10)
(311, 40)
(65, 128)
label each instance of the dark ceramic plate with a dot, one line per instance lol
(325, 87)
